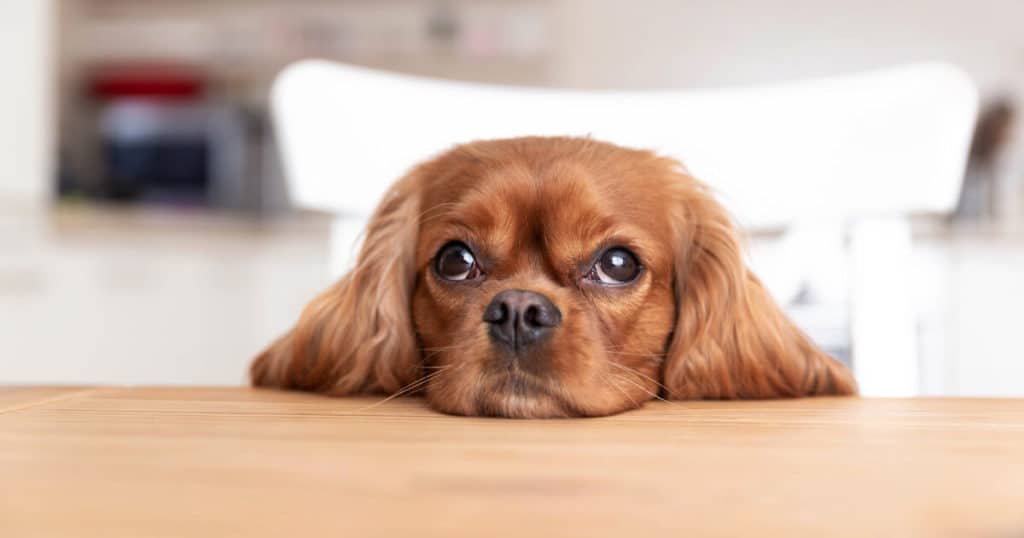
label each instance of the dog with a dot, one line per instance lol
(546, 277)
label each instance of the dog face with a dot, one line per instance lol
(549, 277)
(544, 281)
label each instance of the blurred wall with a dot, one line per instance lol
(26, 115)
(659, 43)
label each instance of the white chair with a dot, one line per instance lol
(850, 156)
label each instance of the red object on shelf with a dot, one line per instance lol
(146, 80)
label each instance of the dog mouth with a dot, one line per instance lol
(515, 393)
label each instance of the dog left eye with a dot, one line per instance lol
(615, 266)
(456, 262)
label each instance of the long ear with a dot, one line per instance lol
(730, 339)
(357, 336)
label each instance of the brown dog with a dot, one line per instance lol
(549, 277)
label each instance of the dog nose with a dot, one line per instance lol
(520, 318)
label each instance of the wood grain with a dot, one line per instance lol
(240, 462)
(16, 397)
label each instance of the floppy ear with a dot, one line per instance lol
(357, 336)
(730, 339)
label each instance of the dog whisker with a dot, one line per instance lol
(628, 354)
(611, 381)
(641, 374)
(447, 348)
(647, 391)
(411, 387)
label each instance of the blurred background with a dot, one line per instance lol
(145, 230)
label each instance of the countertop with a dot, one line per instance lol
(108, 461)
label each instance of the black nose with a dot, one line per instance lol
(520, 318)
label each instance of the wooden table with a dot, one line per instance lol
(238, 462)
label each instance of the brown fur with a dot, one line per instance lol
(695, 324)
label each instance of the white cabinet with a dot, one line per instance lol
(987, 316)
(967, 294)
(168, 302)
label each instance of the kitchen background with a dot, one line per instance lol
(145, 232)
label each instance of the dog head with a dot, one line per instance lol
(549, 277)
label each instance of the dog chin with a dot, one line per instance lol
(512, 395)
(523, 406)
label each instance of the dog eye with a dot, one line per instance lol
(615, 266)
(456, 262)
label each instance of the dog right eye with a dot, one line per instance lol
(456, 262)
(615, 267)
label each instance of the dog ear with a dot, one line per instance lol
(357, 336)
(730, 338)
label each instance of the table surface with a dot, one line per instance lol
(242, 462)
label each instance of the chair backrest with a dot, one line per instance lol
(886, 142)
